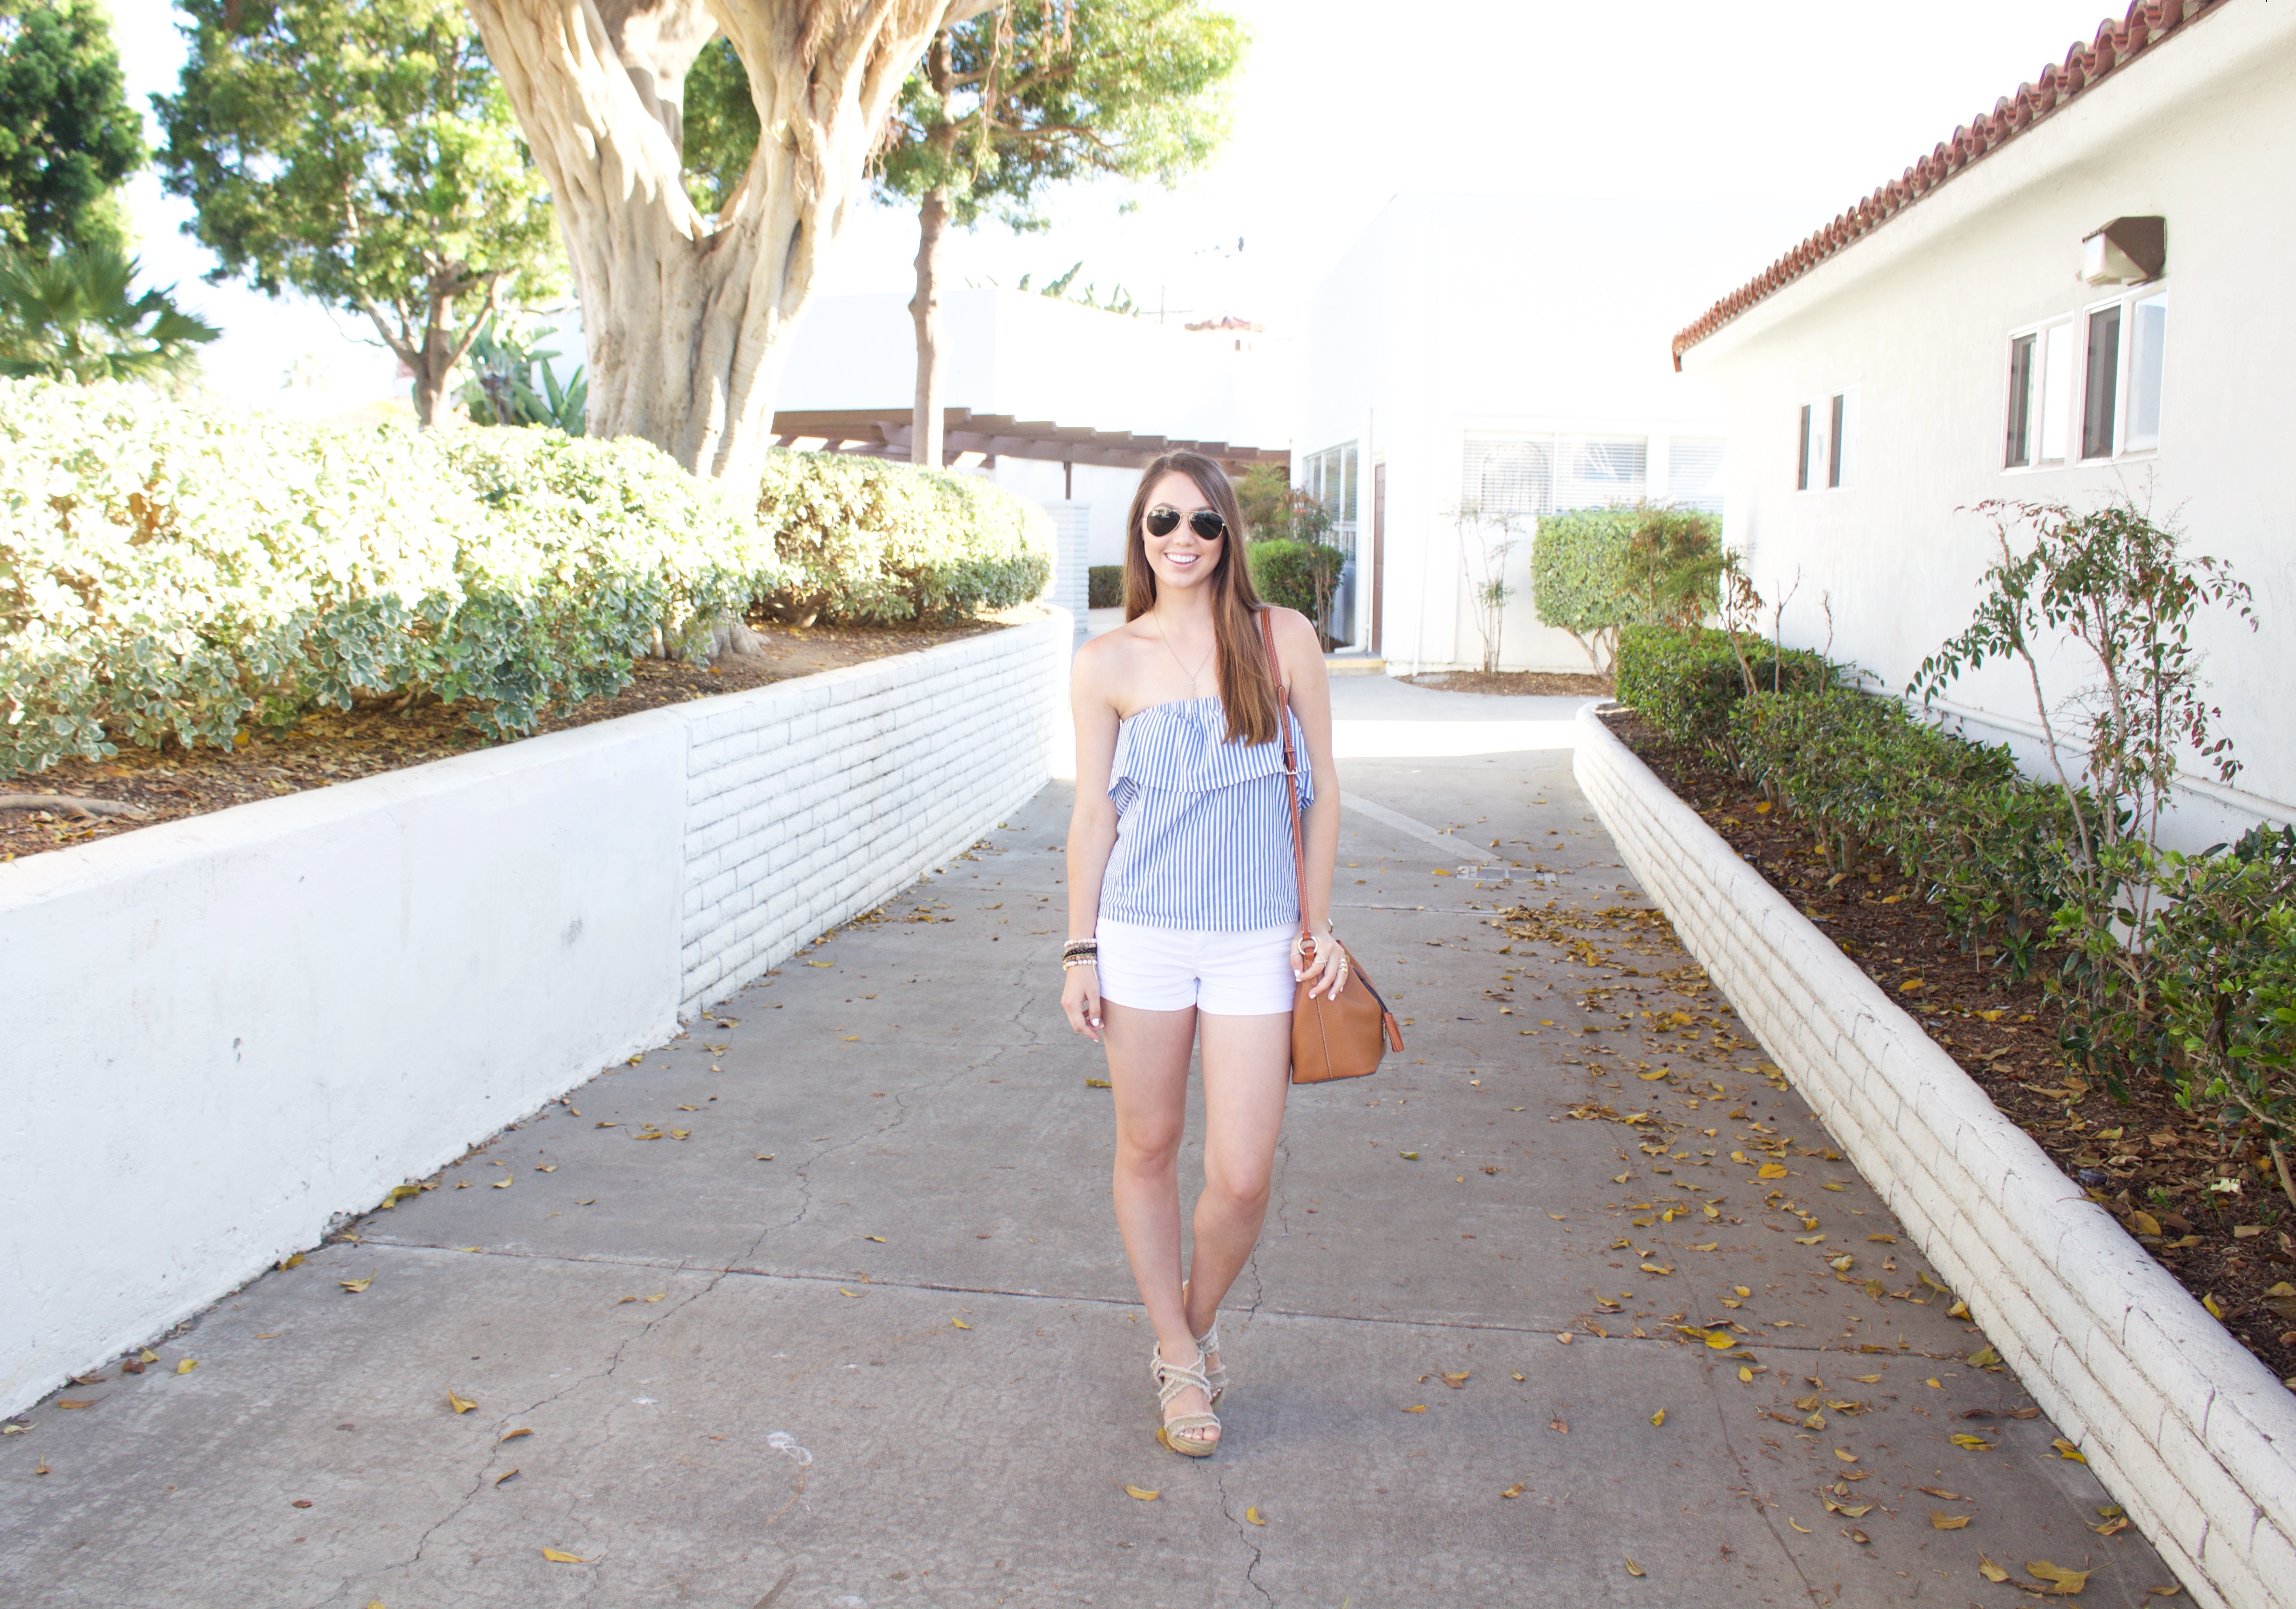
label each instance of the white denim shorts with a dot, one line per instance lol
(1243, 974)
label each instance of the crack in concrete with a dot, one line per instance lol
(1762, 1510)
(1243, 1534)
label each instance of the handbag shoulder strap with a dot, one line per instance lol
(1291, 767)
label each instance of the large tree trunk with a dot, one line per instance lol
(926, 435)
(686, 326)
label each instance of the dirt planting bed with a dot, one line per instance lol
(1536, 683)
(330, 746)
(2190, 1191)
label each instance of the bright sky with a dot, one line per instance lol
(1798, 106)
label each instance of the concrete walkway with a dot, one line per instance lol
(821, 1306)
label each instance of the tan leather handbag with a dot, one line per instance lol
(1331, 1038)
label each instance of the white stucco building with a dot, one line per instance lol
(2084, 296)
(1510, 354)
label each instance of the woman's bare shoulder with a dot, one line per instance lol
(1102, 664)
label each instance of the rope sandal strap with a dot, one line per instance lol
(1216, 1379)
(1173, 1378)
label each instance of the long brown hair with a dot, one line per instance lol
(1247, 682)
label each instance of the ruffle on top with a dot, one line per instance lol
(1181, 747)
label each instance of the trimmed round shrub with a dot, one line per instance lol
(1296, 575)
(870, 540)
(1104, 587)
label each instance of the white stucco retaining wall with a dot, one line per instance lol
(217, 1033)
(2190, 1433)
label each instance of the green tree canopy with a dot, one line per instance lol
(1028, 96)
(68, 136)
(361, 152)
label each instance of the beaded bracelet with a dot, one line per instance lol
(1067, 962)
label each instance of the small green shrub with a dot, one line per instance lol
(1595, 571)
(867, 540)
(1684, 683)
(1104, 587)
(2221, 931)
(1296, 575)
(1579, 576)
(177, 571)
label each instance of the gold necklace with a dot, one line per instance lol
(1182, 663)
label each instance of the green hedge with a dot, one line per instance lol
(1989, 846)
(172, 570)
(1105, 586)
(1295, 575)
(1684, 683)
(867, 540)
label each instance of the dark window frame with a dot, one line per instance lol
(2017, 452)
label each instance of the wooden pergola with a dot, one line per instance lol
(885, 433)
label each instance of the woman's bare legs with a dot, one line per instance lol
(1245, 1062)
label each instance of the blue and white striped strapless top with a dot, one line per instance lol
(1203, 828)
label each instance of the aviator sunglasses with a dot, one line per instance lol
(1209, 527)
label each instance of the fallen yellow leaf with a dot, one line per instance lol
(1770, 1170)
(1720, 1339)
(1990, 1571)
(188, 1365)
(1416, 1407)
(76, 1402)
(512, 1435)
(841, 1291)
(1745, 1375)
(147, 1356)
(878, 1238)
(1516, 1375)
(502, 1184)
(1098, 1084)
(1658, 1417)
(2066, 1449)
(1847, 1458)
(960, 1323)
(1251, 1516)
(1457, 1382)
(557, 1557)
(1652, 1268)
(1798, 1525)
(349, 1284)
(1973, 1443)
(1409, 1156)
(1947, 1521)
(295, 1261)
(1633, 1569)
(1143, 1493)
(459, 1403)
(2143, 1223)
(508, 1475)
(2063, 1582)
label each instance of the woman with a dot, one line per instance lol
(1183, 899)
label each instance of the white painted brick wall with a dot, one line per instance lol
(812, 802)
(2193, 1435)
(540, 909)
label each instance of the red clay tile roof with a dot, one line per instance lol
(2147, 23)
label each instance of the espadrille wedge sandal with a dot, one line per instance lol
(1171, 1380)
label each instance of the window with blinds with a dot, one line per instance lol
(1694, 472)
(1509, 476)
(1534, 475)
